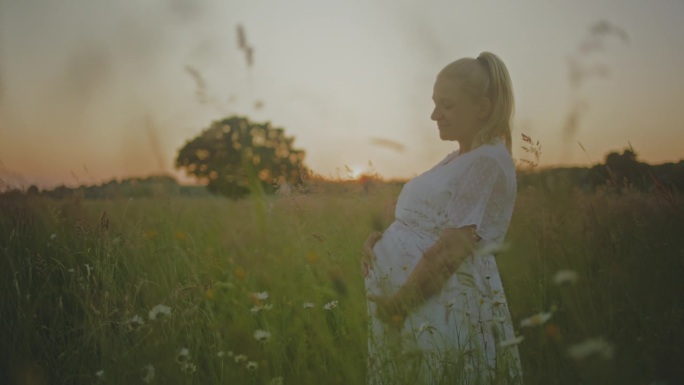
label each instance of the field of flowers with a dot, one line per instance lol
(212, 291)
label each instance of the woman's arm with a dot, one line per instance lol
(430, 274)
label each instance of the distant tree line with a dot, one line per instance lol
(148, 187)
(619, 172)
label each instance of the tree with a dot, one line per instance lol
(236, 156)
(625, 168)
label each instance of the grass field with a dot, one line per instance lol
(212, 291)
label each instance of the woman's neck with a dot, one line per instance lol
(464, 147)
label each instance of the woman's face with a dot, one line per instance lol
(458, 115)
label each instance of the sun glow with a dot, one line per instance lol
(355, 171)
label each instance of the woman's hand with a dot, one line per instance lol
(388, 311)
(368, 255)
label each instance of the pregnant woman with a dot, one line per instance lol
(438, 314)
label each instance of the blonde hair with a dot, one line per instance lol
(487, 76)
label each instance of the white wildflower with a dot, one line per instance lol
(220, 354)
(188, 367)
(148, 373)
(258, 308)
(276, 381)
(252, 365)
(262, 335)
(135, 321)
(535, 320)
(100, 374)
(511, 342)
(54, 236)
(261, 296)
(331, 305)
(308, 305)
(159, 309)
(590, 347)
(240, 358)
(565, 276)
(183, 356)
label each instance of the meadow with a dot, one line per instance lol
(268, 291)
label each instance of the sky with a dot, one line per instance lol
(92, 91)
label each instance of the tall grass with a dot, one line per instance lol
(78, 280)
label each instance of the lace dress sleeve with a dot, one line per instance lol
(483, 198)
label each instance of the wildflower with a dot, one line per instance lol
(181, 235)
(276, 381)
(590, 347)
(135, 322)
(331, 305)
(183, 356)
(148, 373)
(552, 332)
(308, 305)
(188, 367)
(240, 273)
(100, 374)
(511, 342)
(535, 320)
(312, 257)
(257, 308)
(240, 358)
(159, 309)
(565, 276)
(54, 236)
(150, 233)
(261, 296)
(220, 354)
(397, 320)
(209, 294)
(252, 365)
(262, 335)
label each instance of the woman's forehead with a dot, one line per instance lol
(446, 88)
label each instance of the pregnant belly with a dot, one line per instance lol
(397, 253)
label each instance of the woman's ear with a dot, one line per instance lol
(485, 108)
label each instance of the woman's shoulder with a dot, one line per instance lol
(495, 151)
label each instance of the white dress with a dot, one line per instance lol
(455, 337)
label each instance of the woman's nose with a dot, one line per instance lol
(436, 115)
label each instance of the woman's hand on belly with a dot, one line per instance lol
(368, 255)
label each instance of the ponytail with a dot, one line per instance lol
(499, 90)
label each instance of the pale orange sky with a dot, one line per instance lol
(91, 91)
